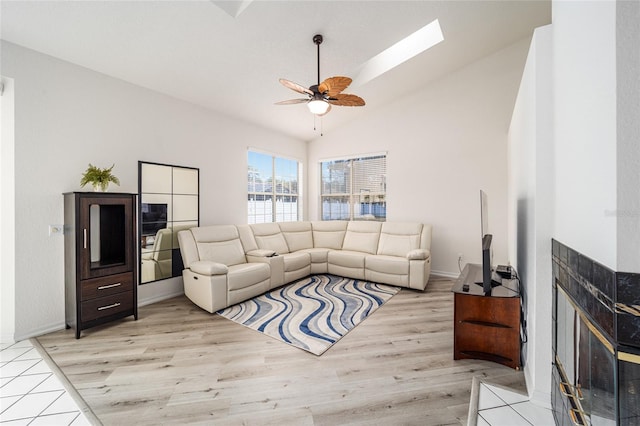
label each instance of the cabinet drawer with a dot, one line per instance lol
(499, 340)
(108, 305)
(106, 286)
(497, 310)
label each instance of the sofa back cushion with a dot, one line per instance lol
(268, 236)
(329, 234)
(188, 248)
(219, 243)
(398, 239)
(425, 238)
(362, 236)
(297, 234)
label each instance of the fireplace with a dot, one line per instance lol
(596, 342)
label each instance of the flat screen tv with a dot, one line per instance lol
(154, 218)
(487, 282)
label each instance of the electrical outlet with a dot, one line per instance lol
(56, 230)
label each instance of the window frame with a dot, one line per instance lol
(354, 191)
(277, 189)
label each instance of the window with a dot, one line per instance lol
(272, 178)
(354, 188)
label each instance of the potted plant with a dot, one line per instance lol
(99, 178)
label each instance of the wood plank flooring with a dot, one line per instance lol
(179, 364)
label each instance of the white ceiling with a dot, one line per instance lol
(199, 52)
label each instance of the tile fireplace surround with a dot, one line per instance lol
(596, 342)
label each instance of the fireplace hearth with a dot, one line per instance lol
(596, 342)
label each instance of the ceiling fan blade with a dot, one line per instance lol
(292, 101)
(344, 99)
(334, 85)
(295, 87)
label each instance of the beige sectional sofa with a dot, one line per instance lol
(227, 264)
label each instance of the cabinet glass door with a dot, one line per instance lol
(105, 236)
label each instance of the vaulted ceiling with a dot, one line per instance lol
(228, 55)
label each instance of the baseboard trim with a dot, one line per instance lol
(61, 325)
(158, 298)
(40, 331)
(444, 274)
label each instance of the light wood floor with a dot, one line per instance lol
(180, 364)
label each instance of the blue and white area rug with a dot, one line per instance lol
(313, 313)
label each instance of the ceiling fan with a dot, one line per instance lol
(321, 96)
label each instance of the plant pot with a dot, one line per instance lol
(100, 187)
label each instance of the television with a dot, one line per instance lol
(487, 282)
(154, 218)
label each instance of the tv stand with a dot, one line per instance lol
(486, 326)
(494, 283)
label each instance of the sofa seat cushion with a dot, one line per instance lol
(347, 259)
(295, 261)
(318, 255)
(246, 275)
(388, 264)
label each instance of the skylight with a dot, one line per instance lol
(412, 45)
(232, 7)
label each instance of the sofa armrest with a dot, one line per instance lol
(262, 253)
(207, 267)
(418, 254)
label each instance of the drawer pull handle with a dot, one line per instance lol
(102, 308)
(104, 287)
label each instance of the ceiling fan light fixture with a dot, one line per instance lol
(318, 107)
(320, 97)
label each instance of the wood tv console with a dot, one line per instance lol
(486, 327)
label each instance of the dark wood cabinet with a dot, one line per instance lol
(486, 327)
(100, 266)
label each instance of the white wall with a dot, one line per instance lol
(7, 215)
(444, 144)
(575, 176)
(531, 197)
(628, 131)
(67, 116)
(584, 70)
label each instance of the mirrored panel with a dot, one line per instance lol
(185, 181)
(186, 208)
(169, 202)
(155, 178)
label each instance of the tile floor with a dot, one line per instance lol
(498, 406)
(31, 393)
